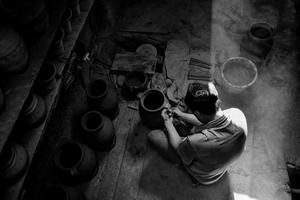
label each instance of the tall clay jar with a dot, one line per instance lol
(62, 192)
(13, 51)
(33, 112)
(13, 162)
(103, 98)
(75, 162)
(98, 130)
(152, 102)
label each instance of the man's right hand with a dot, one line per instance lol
(177, 111)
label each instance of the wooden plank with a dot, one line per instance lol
(16, 88)
(132, 166)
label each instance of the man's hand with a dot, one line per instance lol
(177, 111)
(167, 115)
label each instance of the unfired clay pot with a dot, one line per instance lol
(47, 78)
(13, 51)
(75, 162)
(98, 130)
(13, 162)
(259, 40)
(152, 102)
(103, 98)
(34, 111)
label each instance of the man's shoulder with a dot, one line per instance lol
(237, 118)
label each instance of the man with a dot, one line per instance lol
(215, 141)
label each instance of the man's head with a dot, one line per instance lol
(202, 98)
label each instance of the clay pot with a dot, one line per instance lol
(34, 111)
(75, 162)
(47, 78)
(67, 21)
(1, 101)
(13, 162)
(135, 82)
(259, 40)
(13, 51)
(62, 192)
(58, 48)
(103, 98)
(75, 6)
(99, 131)
(151, 105)
(30, 16)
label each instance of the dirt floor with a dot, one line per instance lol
(212, 31)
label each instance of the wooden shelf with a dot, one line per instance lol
(17, 87)
(31, 141)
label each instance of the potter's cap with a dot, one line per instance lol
(202, 97)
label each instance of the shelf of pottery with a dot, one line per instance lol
(36, 40)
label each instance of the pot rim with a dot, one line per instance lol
(237, 86)
(264, 25)
(85, 118)
(58, 154)
(96, 96)
(32, 105)
(147, 92)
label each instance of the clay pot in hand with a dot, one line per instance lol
(98, 130)
(258, 41)
(13, 51)
(75, 7)
(62, 192)
(103, 98)
(152, 102)
(34, 111)
(67, 21)
(134, 83)
(47, 78)
(75, 162)
(13, 162)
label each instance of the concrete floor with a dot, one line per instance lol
(213, 31)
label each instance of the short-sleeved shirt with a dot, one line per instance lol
(207, 153)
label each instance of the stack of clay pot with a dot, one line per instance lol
(97, 126)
